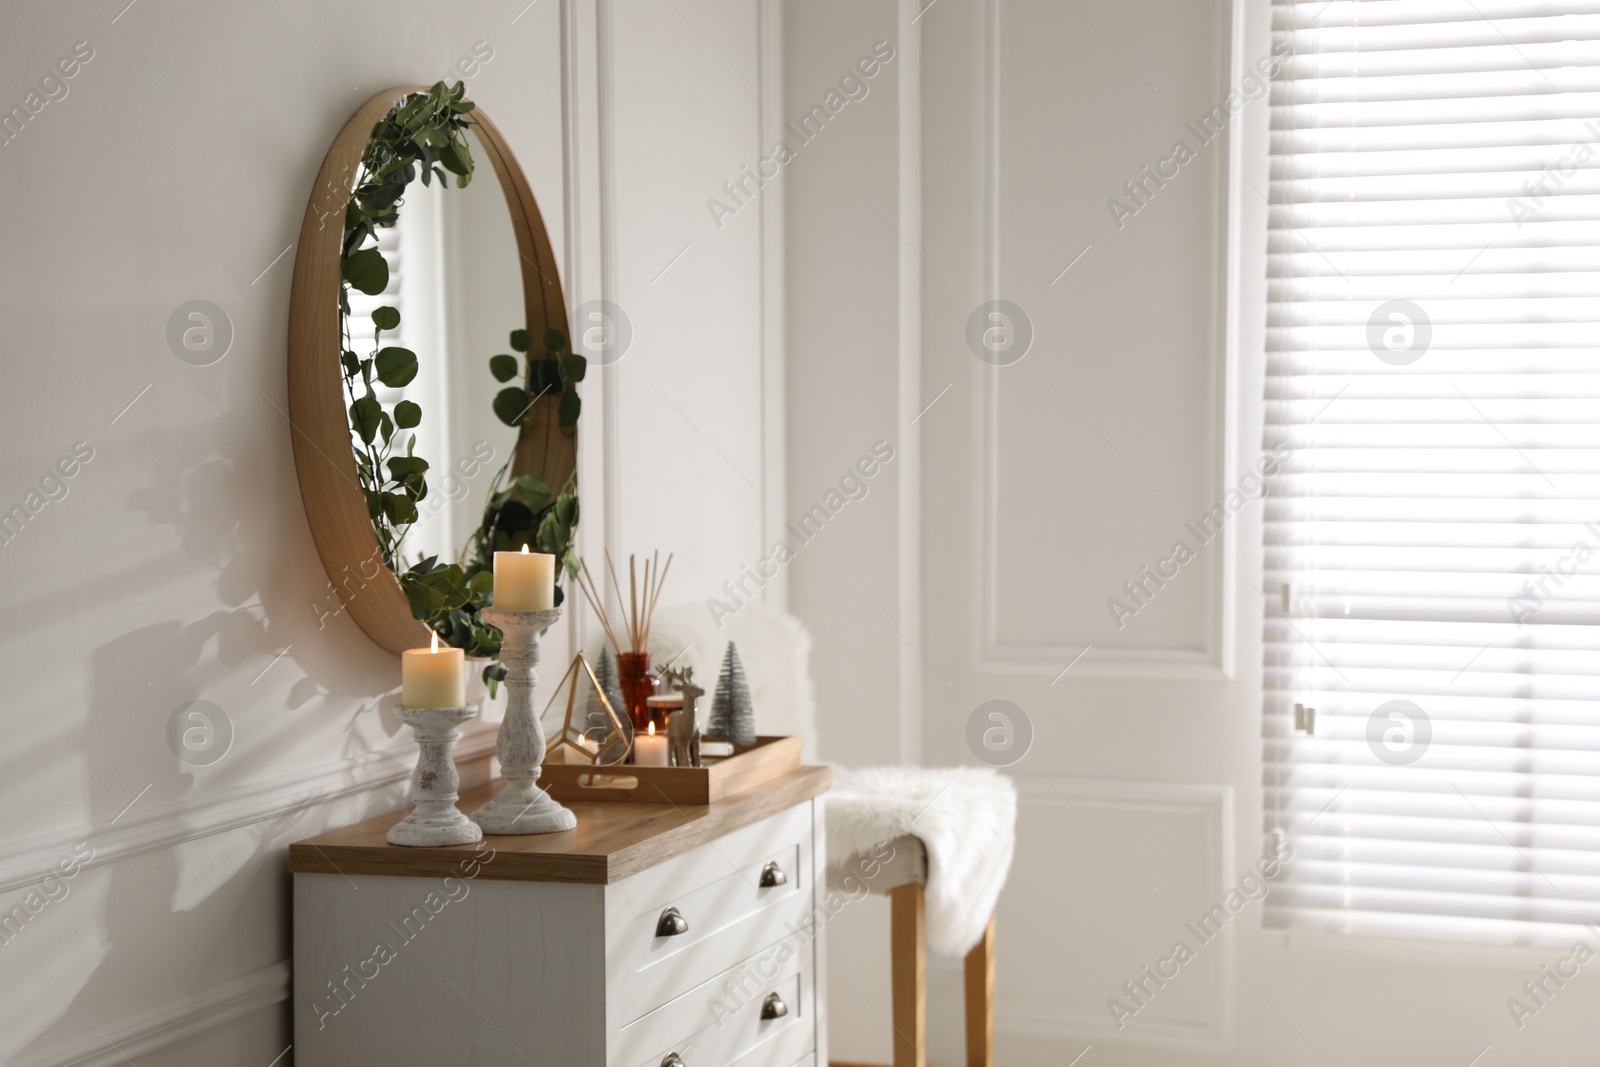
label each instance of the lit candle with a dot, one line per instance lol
(433, 677)
(524, 581)
(650, 749)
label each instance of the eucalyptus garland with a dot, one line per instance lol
(425, 136)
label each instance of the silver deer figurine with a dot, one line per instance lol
(683, 736)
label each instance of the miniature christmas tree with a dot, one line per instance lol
(732, 714)
(596, 723)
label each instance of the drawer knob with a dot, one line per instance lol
(672, 1059)
(774, 1007)
(772, 875)
(671, 924)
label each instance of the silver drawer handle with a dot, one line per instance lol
(671, 924)
(773, 1007)
(672, 1059)
(772, 875)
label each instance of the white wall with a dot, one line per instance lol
(179, 566)
(988, 170)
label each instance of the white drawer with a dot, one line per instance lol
(757, 1059)
(658, 887)
(716, 894)
(719, 1022)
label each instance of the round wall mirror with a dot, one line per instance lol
(432, 389)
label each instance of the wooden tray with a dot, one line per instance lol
(768, 758)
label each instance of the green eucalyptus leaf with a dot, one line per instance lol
(364, 417)
(511, 405)
(529, 491)
(387, 194)
(425, 599)
(350, 363)
(396, 366)
(571, 405)
(399, 509)
(451, 158)
(386, 317)
(574, 367)
(407, 470)
(553, 533)
(504, 368)
(406, 415)
(521, 340)
(555, 340)
(367, 270)
(567, 508)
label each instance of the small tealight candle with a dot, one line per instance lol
(524, 581)
(433, 677)
(650, 749)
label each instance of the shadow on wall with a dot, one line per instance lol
(234, 504)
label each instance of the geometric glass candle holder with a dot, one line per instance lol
(577, 734)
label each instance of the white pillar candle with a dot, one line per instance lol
(650, 749)
(433, 677)
(524, 581)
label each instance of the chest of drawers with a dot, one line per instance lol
(653, 935)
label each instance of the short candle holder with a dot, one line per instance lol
(436, 820)
(521, 807)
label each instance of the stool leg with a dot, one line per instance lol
(979, 969)
(909, 954)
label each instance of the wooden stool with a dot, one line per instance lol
(902, 879)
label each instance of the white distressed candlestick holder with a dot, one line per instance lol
(521, 807)
(436, 820)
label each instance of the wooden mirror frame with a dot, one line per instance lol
(330, 488)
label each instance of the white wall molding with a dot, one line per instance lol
(588, 221)
(1214, 805)
(1215, 660)
(122, 1042)
(774, 425)
(908, 468)
(27, 862)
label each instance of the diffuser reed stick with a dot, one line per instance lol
(640, 607)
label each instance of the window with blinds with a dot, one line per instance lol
(1433, 541)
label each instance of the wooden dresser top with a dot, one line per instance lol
(613, 839)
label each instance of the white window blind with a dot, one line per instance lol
(1433, 348)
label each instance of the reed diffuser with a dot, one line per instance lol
(638, 685)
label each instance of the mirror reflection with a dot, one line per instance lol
(455, 280)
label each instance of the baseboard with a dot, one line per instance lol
(124, 1041)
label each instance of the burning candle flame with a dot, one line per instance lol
(652, 729)
(524, 550)
(435, 647)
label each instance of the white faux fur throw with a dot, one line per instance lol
(965, 816)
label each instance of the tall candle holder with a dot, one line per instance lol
(436, 820)
(521, 807)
